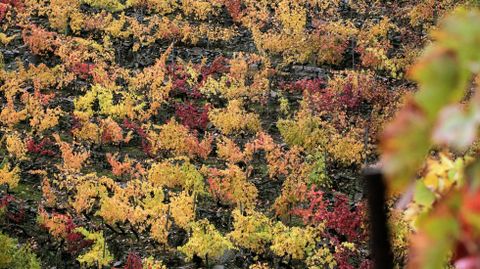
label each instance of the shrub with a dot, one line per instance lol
(14, 257)
(110, 5)
(205, 242)
(234, 118)
(253, 231)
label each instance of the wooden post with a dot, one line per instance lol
(380, 246)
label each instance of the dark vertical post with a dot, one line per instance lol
(380, 247)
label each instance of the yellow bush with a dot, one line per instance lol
(61, 11)
(174, 175)
(234, 118)
(306, 130)
(292, 15)
(182, 209)
(88, 131)
(110, 5)
(292, 241)
(177, 139)
(231, 186)
(16, 146)
(253, 231)
(346, 149)
(200, 9)
(8, 176)
(98, 255)
(205, 242)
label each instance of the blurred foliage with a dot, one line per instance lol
(445, 200)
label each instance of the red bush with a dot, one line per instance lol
(338, 215)
(133, 261)
(330, 100)
(234, 7)
(343, 221)
(310, 85)
(192, 116)
(41, 147)
(179, 77)
(6, 4)
(15, 211)
(3, 10)
(218, 66)
(146, 146)
(83, 70)
(75, 241)
(18, 4)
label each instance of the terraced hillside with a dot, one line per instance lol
(198, 133)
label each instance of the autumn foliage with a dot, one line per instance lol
(169, 134)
